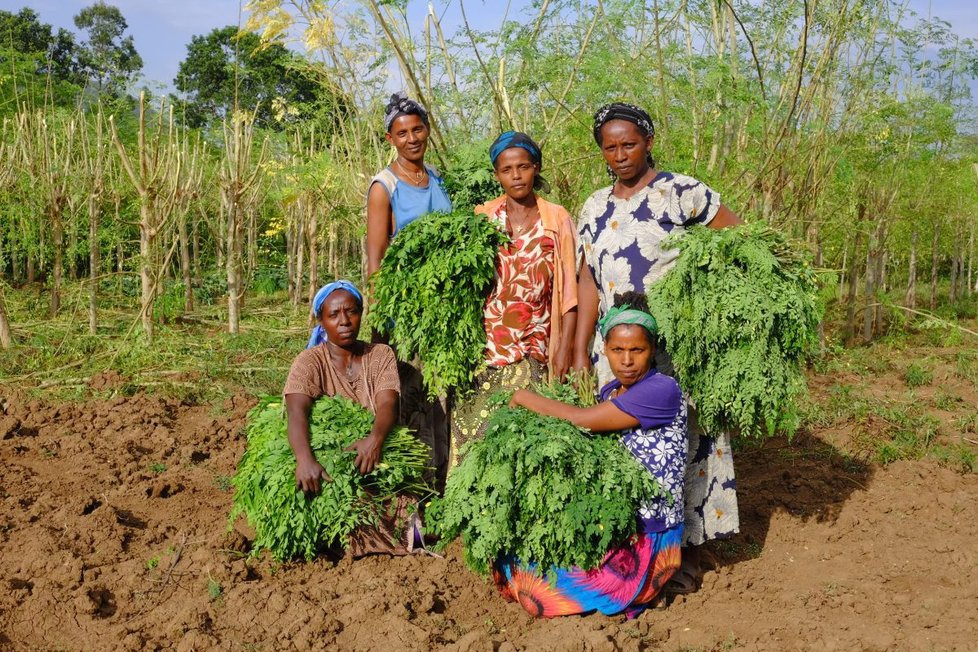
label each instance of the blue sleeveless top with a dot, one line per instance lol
(409, 202)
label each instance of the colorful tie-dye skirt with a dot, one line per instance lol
(628, 579)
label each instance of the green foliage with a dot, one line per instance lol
(108, 57)
(430, 292)
(917, 376)
(227, 68)
(214, 590)
(542, 489)
(269, 280)
(739, 312)
(469, 178)
(287, 522)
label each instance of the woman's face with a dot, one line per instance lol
(340, 318)
(625, 148)
(409, 136)
(629, 352)
(516, 171)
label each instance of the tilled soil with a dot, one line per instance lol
(113, 535)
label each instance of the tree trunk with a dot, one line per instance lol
(233, 266)
(934, 261)
(93, 262)
(188, 288)
(252, 242)
(146, 253)
(31, 271)
(868, 312)
(195, 248)
(911, 298)
(6, 340)
(971, 259)
(954, 277)
(16, 272)
(844, 277)
(331, 254)
(73, 249)
(313, 252)
(300, 256)
(881, 287)
(58, 271)
(819, 263)
(290, 260)
(852, 290)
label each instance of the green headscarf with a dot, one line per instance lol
(626, 315)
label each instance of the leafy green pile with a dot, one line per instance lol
(739, 312)
(542, 489)
(430, 292)
(286, 521)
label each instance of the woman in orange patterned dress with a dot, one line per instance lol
(531, 313)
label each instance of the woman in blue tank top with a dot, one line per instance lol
(401, 193)
(407, 188)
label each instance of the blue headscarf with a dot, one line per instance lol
(509, 139)
(318, 335)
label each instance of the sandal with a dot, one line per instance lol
(686, 580)
(709, 561)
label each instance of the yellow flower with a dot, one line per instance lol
(484, 414)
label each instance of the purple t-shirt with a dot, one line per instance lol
(659, 442)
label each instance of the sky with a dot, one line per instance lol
(162, 29)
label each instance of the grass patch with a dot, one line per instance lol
(966, 366)
(917, 376)
(967, 423)
(944, 400)
(192, 357)
(960, 457)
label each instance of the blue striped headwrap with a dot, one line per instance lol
(318, 335)
(509, 139)
(626, 315)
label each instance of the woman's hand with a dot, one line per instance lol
(308, 473)
(582, 361)
(518, 395)
(368, 453)
(562, 361)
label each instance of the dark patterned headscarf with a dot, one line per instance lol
(509, 139)
(400, 104)
(630, 113)
(621, 111)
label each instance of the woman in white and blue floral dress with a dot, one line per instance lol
(621, 229)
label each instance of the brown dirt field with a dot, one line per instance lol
(112, 536)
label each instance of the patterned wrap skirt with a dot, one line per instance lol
(470, 416)
(627, 581)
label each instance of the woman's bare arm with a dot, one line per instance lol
(379, 217)
(603, 417)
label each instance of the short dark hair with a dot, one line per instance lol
(637, 301)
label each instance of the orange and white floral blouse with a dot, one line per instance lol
(536, 284)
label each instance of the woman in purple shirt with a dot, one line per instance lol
(650, 411)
